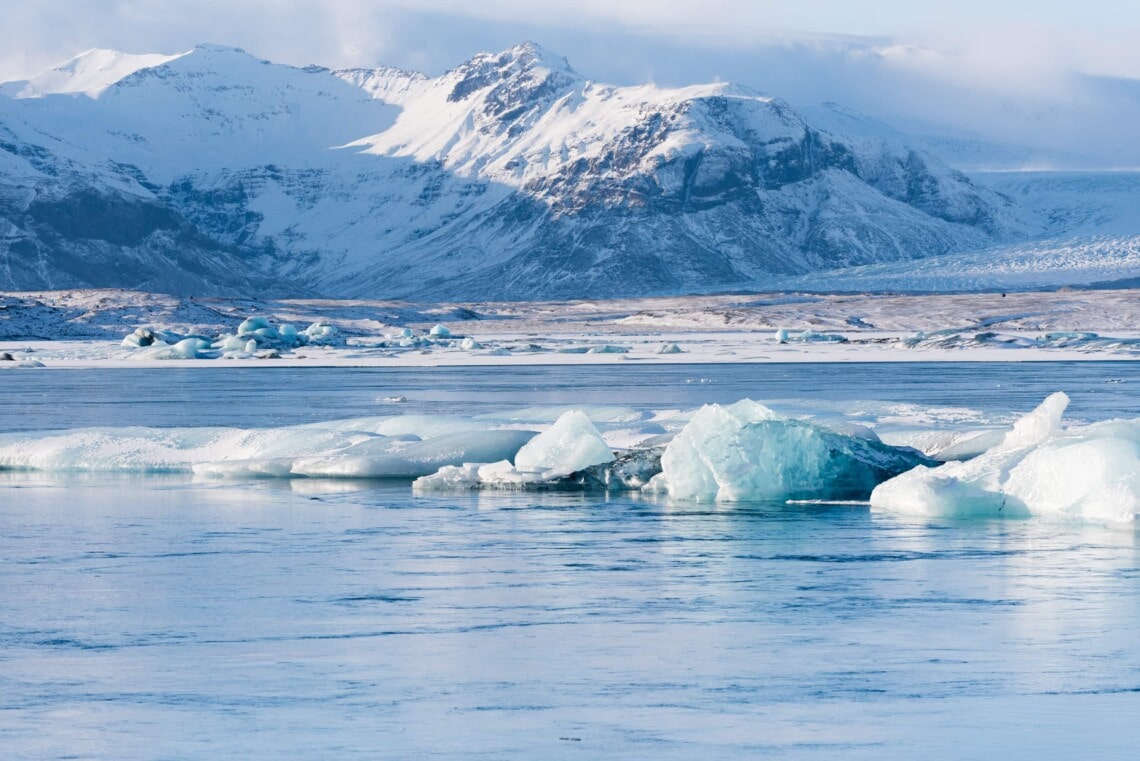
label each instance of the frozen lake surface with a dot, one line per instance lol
(166, 617)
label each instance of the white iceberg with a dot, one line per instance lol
(745, 451)
(571, 445)
(322, 334)
(1038, 468)
(187, 348)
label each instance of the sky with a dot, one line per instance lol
(1011, 68)
(1095, 36)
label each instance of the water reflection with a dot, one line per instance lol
(349, 617)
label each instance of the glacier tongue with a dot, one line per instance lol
(745, 451)
(1039, 468)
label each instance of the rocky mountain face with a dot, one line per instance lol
(510, 177)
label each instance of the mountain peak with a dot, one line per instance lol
(530, 54)
(529, 64)
(91, 72)
(210, 48)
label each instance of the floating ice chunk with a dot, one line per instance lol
(450, 477)
(187, 348)
(323, 335)
(669, 348)
(493, 475)
(389, 458)
(30, 364)
(439, 331)
(747, 452)
(469, 344)
(1038, 468)
(812, 336)
(252, 325)
(632, 470)
(571, 444)
(139, 338)
(607, 349)
(973, 488)
(808, 336)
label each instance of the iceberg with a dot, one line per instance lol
(571, 445)
(321, 334)
(745, 451)
(187, 348)
(782, 336)
(1038, 469)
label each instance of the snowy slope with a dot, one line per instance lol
(510, 176)
(1089, 203)
(89, 73)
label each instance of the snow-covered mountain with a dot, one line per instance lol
(509, 177)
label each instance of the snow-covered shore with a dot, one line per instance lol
(86, 328)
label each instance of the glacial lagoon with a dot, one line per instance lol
(166, 615)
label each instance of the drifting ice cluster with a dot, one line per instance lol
(739, 452)
(255, 337)
(954, 338)
(782, 336)
(1038, 468)
(745, 451)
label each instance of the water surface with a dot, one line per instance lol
(164, 617)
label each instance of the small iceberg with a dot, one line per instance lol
(572, 444)
(1039, 468)
(745, 451)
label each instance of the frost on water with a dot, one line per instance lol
(1038, 468)
(572, 444)
(745, 451)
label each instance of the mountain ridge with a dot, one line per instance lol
(509, 176)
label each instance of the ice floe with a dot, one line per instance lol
(399, 446)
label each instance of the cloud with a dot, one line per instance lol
(977, 33)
